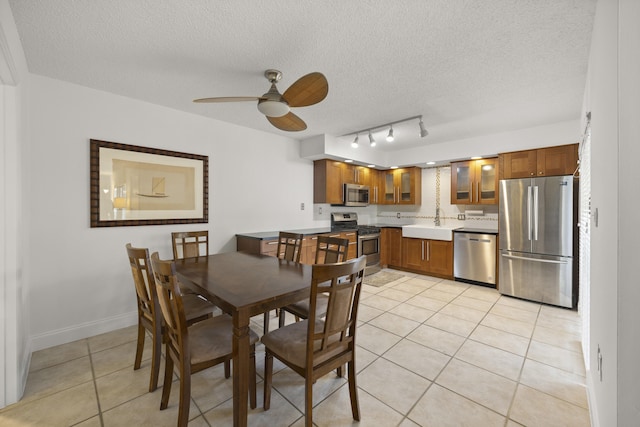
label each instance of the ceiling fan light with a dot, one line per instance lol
(390, 135)
(273, 108)
(372, 142)
(423, 130)
(354, 144)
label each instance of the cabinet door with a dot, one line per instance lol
(519, 164)
(440, 257)
(414, 254)
(486, 181)
(362, 175)
(461, 182)
(375, 188)
(389, 184)
(352, 236)
(554, 161)
(394, 247)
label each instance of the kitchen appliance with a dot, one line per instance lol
(537, 218)
(368, 235)
(355, 195)
(474, 257)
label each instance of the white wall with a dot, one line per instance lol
(14, 344)
(613, 92)
(80, 282)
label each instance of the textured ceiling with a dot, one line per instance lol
(470, 67)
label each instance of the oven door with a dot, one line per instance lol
(369, 245)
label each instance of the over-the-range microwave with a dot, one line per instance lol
(356, 195)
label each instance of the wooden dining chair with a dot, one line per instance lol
(190, 244)
(193, 348)
(329, 250)
(289, 249)
(314, 347)
(149, 315)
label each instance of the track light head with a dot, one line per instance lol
(354, 144)
(390, 135)
(423, 130)
(372, 142)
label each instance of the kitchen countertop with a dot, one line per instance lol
(267, 235)
(475, 230)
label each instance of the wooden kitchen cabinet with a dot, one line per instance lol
(433, 257)
(550, 161)
(375, 188)
(402, 186)
(354, 174)
(475, 182)
(391, 247)
(327, 181)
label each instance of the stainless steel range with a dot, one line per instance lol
(368, 235)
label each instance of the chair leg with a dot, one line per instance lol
(265, 327)
(268, 372)
(140, 346)
(156, 339)
(168, 376)
(185, 394)
(281, 318)
(353, 390)
(227, 368)
(308, 401)
(252, 377)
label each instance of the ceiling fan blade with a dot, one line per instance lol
(307, 90)
(229, 99)
(289, 122)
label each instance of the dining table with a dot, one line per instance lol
(244, 285)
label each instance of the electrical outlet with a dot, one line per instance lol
(461, 217)
(398, 215)
(301, 206)
(319, 210)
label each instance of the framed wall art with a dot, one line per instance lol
(133, 185)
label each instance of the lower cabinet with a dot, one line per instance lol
(432, 257)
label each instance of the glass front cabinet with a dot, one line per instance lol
(475, 182)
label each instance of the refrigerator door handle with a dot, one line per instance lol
(529, 212)
(535, 212)
(548, 261)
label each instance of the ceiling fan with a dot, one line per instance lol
(307, 90)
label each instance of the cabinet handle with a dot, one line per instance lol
(422, 253)
(272, 243)
(471, 190)
(477, 192)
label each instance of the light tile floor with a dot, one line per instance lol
(431, 352)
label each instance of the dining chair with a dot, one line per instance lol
(289, 249)
(196, 347)
(316, 346)
(329, 250)
(149, 315)
(190, 244)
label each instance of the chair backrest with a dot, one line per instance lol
(171, 306)
(143, 280)
(341, 282)
(190, 244)
(330, 250)
(289, 246)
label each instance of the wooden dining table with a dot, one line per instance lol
(244, 285)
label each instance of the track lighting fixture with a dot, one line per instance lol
(390, 136)
(423, 131)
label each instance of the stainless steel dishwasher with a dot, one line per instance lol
(474, 257)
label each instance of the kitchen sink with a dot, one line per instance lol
(422, 231)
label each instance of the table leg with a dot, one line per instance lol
(240, 367)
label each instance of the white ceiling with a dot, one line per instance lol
(470, 67)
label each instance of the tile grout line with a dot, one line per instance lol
(95, 385)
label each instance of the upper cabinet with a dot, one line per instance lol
(327, 181)
(560, 160)
(475, 182)
(354, 174)
(401, 186)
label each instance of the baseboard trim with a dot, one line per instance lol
(83, 330)
(591, 397)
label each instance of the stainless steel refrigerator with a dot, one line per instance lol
(537, 218)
